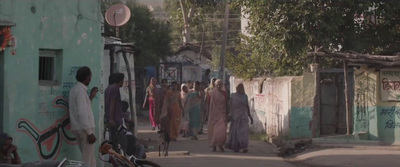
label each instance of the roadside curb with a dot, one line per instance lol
(358, 146)
(154, 154)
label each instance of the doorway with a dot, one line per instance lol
(333, 102)
(2, 91)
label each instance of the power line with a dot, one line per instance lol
(174, 36)
(204, 14)
(230, 20)
(232, 39)
(216, 31)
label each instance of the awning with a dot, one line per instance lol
(6, 23)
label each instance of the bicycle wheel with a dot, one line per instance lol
(145, 163)
(120, 162)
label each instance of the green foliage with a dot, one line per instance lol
(207, 17)
(152, 37)
(206, 23)
(281, 32)
(176, 21)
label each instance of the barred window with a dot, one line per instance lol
(46, 68)
(50, 65)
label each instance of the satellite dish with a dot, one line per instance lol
(118, 15)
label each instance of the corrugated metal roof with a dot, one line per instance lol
(189, 46)
(4, 22)
(113, 41)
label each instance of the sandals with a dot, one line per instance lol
(220, 149)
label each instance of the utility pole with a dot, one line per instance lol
(224, 40)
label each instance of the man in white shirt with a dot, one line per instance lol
(81, 115)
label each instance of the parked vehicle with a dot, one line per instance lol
(120, 159)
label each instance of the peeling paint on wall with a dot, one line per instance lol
(380, 120)
(287, 108)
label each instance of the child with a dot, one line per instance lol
(8, 151)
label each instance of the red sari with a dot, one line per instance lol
(152, 104)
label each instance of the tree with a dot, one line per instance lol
(190, 14)
(200, 22)
(281, 32)
(152, 37)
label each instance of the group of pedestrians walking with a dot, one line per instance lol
(171, 109)
(184, 109)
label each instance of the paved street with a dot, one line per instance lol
(260, 153)
(369, 156)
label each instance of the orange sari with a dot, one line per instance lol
(172, 109)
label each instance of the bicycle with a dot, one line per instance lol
(121, 159)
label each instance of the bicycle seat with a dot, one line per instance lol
(106, 142)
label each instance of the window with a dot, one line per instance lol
(46, 68)
(50, 65)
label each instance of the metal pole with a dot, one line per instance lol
(346, 93)
(224, 40)
(128, 70)
(112, 50)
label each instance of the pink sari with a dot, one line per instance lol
(217, 124)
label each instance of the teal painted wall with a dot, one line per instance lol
(300, 118)
(366, 120)
(302, 100)
(36, 115)
(388, 124)
(379, 119)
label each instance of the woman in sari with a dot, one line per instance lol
(172, 110)
(207, 97)
(160, 94)
(193, 107)
(203, 108)
(185, 118)
(211, 86)
(240, 114)
(217, 123)
(150, 95)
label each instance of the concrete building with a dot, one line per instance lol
(51, 40)
(193, 59)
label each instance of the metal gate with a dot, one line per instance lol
(333, 104)
(170, 71)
